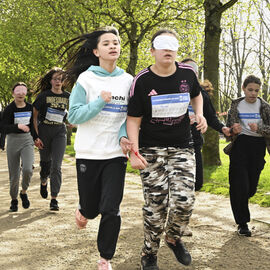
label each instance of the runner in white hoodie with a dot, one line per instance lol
(98, 105)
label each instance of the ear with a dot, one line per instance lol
(95, 52)
(152, 51)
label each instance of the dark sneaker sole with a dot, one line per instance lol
(54, 208)
(244, 234)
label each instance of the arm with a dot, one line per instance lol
(79, 110)
(8, 122)
(197, 104)
(133, 126)
(38, 141)
(125, 144)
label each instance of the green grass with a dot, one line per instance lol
(216, 180)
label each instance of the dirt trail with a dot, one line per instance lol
(37, 239)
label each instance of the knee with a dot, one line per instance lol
(27, 171)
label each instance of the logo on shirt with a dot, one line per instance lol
(152, 93)
(184, 87)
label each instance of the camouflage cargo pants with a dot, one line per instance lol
(168, 189)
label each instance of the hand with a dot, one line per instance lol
(226, 131)
(39, 143)
(106, 96)
(137, 161)
(236, 128)
(24, 128)
(192, 119)
(126, 145)
(201, 123)
(253, 127)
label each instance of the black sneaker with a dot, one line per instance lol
(149, 262)
(243, 230)
(54, 205)
(13, 206)
(43, 191)
(180, 252)
(25, 201)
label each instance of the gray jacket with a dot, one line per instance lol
(263, 127)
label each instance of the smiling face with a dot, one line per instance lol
(19, 93)
(251, 92)
(164, 56)
(108, 48)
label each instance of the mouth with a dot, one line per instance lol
(113, 53)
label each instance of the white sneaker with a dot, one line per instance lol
(104, 264)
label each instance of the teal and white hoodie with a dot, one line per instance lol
(100, 124)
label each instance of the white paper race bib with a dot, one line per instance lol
(22, 118)
(111, 114)
(171, 105)
(55, 115)
(250, 118)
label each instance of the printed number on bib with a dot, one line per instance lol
(172, 105)
(22, 118)
(55, 115)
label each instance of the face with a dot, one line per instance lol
(56, 81)
(166, 57)
(251, 92)
(108, 48)
(19, 93)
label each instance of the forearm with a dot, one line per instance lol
(133, 126)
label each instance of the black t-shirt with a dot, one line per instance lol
(52, 107)
(13, 116)
(162, 103)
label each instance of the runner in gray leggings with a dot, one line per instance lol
(18, 125)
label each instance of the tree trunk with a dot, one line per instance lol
(211, 72)
(213, 12)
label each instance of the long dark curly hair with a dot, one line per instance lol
(80, 54)
(44, 82)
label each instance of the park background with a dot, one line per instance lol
(229, 39)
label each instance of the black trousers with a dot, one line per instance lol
(101, 186)
(246, 163)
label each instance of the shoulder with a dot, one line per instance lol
(142, 74)
(185, 67)
(66, 94)
(127, 76)
(28, 105)
(10, 106)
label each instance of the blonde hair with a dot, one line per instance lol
(207, 86)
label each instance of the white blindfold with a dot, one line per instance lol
(165, 42)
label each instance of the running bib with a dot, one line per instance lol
(247, 118)
(111, 114)
(22, 118)
(55, 115)
(172, 105)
